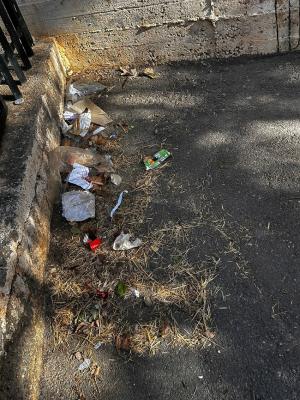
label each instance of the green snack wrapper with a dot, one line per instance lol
(157, 160)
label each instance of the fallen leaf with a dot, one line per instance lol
(165, 329)
(123, 342)
(95, 370)
(76, 127)
(66, 142)
(128, 72)
(104, 167)
(150, 73)
(124, 126)
(98, 140)
(97, 180)
(81, 326)
(89, 229)
(101, 294)
(209, 334)
(121, 289)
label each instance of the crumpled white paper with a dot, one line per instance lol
(77, 176)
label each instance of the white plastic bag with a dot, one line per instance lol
(123, 242)
(78, 205)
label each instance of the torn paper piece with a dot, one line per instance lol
(78, 176)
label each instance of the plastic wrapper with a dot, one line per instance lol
(78, 90)
(123, 242)
(156, 161)
(78, 206)
(119, 202)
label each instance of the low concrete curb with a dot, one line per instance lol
(26, 192)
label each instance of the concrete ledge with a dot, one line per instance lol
(32, 130)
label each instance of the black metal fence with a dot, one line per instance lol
(16, 49)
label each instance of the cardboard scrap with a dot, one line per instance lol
(99, 117)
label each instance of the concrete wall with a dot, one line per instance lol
(100, 32)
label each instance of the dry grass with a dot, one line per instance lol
(173, 307)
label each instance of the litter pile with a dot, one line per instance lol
(105, 291)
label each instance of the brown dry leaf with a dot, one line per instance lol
(98, 140)
(97, 180)
(81, 326)
(95, 370)
(150, 73)
(124, 126)
(209, 334)
(123, 342)
(88, 227)
(165, 329)
(118, 342)
(128, 72)
(66, 142)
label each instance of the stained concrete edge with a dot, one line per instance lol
(26, 187)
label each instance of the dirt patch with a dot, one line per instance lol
(166, 301)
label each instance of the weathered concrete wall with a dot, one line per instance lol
(99, 32)
(27, 186)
